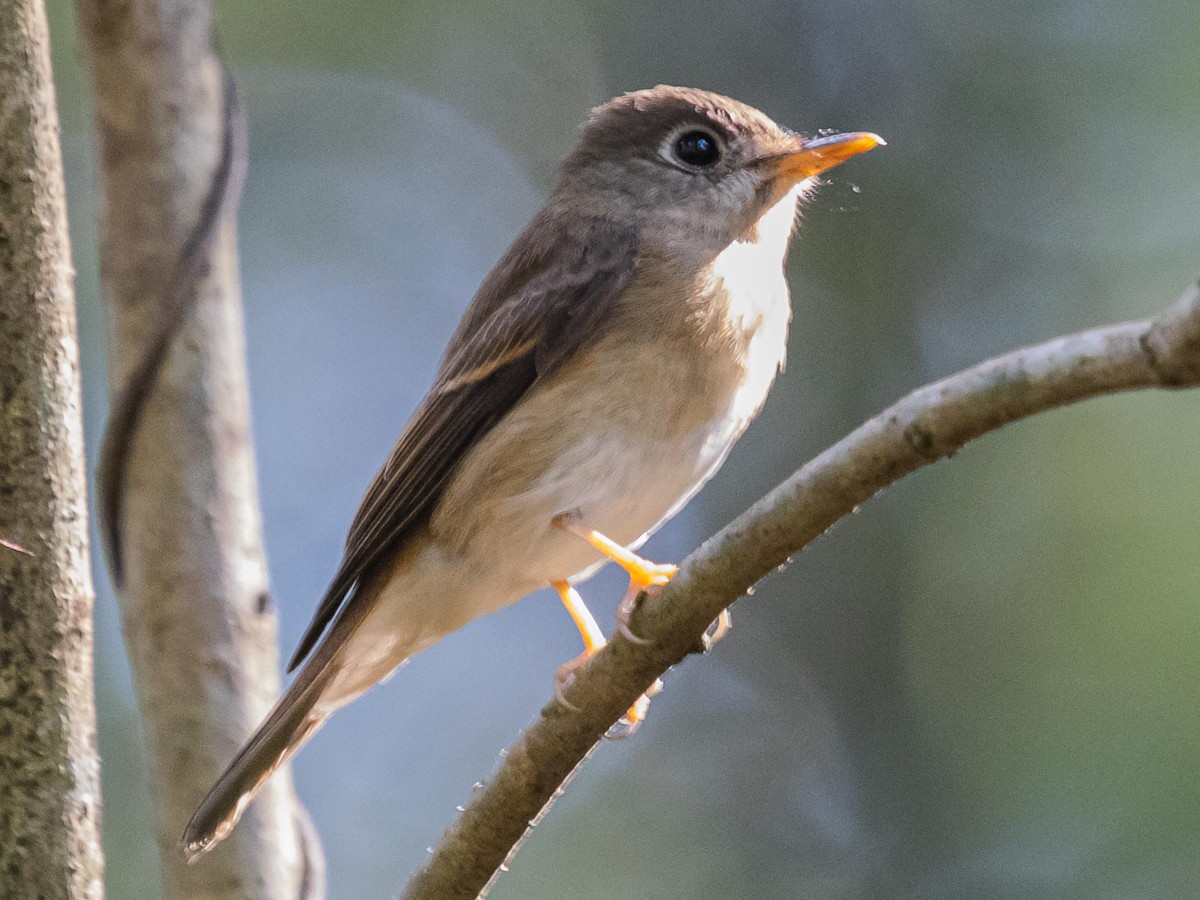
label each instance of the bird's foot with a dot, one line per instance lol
(632, 720)
(644, 574)
(564, 677)
(625, 610)
(593, 641)
(716, 631)
(647, 583)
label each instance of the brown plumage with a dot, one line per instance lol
(596, 381)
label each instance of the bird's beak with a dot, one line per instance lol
(816, 155)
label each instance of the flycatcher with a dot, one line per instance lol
(597, 380)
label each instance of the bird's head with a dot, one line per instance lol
(696, 168)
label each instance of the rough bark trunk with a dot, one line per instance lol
(49, 771)
(198, 624)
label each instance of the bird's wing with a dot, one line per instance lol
(553, 288)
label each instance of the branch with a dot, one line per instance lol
(176, 485)
(178, 300)
(929, 424)
(49, 769)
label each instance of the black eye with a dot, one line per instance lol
(697, 148)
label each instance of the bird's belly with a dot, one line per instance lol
(625, 490)
(493, 539)
(614, 454)
(617, 484)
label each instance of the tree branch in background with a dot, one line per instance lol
(49, 770)
(177, 490)
(929, 424)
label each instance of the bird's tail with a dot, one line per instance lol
(295, 718)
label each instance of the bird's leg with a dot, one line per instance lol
(589, 630)
(643, 574)
(593, 640)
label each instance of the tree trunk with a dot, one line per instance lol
(184, 530)
(49, 771)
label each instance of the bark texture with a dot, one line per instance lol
(49, 771)
(180, 497)
(928, 425)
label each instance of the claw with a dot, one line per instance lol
(593, 641)
(632, 720)
(564, 677)
(629, 723)
(625, 610)
(717, 630)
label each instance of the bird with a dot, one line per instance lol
(595, 383)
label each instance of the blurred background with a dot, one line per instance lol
(987, 683)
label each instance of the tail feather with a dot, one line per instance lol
(323, 684)
(292, 722)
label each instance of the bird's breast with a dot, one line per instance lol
(623, 435)
(745, 320)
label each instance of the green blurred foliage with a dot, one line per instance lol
(983, 685)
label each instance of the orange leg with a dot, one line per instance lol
(643, 575)
(642, 572)
(593, 637)
(593, 640)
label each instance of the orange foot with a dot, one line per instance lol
(644, 576)
(593, 641)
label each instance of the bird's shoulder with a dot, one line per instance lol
(561, 273)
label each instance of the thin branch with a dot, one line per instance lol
(929, 424)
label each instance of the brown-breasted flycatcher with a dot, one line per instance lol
(597, 380)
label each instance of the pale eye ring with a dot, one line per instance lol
(697, 148)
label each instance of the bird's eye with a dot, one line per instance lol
(697, 148)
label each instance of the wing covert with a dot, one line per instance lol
(554, 288)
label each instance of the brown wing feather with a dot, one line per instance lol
(552, 289)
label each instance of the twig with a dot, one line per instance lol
(930, 424)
